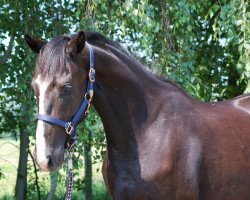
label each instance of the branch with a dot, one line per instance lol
(8, 162)
(35, 171)
(34, 164)
(8, 51)
(10, 144)
(1, 158)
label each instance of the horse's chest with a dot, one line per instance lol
(124, 181)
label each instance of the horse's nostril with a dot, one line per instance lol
(50, 160)
(46, 163)
(50, 163)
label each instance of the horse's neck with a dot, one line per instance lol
(126, 98)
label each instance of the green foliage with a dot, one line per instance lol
(202, 46)
(231, 23)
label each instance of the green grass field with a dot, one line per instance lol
(8, 164)
(9, 154)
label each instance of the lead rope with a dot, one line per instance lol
(70, 127)
(71, 131)
(70, 172)
(70, 181)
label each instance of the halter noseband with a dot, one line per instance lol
(71, 126)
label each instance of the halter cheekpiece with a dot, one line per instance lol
(83, 110)
(70, 127)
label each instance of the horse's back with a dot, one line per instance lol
(225, 133)
(243, 103)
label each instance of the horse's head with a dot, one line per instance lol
(59, 82)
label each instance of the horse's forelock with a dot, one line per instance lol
(53, 58)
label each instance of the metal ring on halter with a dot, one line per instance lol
(70, 128)
(88, 97)
(92, 75)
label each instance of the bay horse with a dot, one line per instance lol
(161, 143)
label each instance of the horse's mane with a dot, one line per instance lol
(96, 38)
(53, 55)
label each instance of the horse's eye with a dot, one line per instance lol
(65, 91)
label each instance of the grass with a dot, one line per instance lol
(9, 154)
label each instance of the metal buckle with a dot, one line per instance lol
(87, 110)
(70, 128)
(92, 75)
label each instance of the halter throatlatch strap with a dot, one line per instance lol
(83, 110)
(70, 127)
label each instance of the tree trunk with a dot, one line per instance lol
(21, 182)
(88, 168)
(53, 182)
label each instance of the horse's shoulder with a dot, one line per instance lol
(187, 177)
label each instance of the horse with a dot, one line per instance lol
(162, 144)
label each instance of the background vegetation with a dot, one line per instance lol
(202, 45)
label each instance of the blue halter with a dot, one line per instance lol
(71, 126)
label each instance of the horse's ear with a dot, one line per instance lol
(34, 44)
(77, 44)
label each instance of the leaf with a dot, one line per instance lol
(211, 14)
(239, 22)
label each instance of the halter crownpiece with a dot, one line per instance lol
(70, 127)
